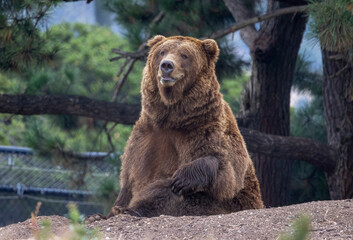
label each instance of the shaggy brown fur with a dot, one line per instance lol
(185, 155)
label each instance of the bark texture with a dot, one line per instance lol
(338, 106)
(291, 148)
(274, 50)
(68, 104)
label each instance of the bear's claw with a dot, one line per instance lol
(117, 210)
(182, 187)
(94, 218)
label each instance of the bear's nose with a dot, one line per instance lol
(167, 66)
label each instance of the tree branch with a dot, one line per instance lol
(237, 26)
(87, 1)
(132, 57)
(138, 55)
(294, 2)
(242, 10)
(23, 104)
(293, 148)
(314, 152)
(130, 64)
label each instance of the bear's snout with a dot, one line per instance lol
(167, 66)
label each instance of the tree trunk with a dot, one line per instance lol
(267, 94)
(338, 106)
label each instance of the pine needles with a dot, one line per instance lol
(333, 23)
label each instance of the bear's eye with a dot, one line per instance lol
(184, 56)
(162, 53)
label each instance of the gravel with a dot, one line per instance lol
(329, 220)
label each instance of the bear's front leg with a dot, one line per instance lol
(196, 176)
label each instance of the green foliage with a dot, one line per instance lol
(45, 232)
(308, 121)
(78, 229)
(81, 67)
(35, 135)
(231, 90)
(10, 83)
(308, 182)
(192, 18)
(12, 129)
(304, 77)
(300, 230)
(74, 214)
(189, 18)
(333, 23)
(21, 42)
(46, 136)
(107, 192)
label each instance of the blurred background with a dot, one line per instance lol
(70, 75)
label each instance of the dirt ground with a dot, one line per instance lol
(329, 220)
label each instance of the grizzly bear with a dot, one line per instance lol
(185, 155)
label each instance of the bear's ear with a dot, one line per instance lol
(155, 40)
(211, 49)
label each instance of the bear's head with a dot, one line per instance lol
(177, 64)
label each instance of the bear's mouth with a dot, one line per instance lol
(167, 81)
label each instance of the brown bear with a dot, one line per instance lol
(185, 155)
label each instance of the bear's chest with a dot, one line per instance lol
(161, 156)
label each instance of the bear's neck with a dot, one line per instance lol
(201, 106)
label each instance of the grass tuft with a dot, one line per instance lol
(77, 229)
(300, 230)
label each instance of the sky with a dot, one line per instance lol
(82, 12)
(73, 12)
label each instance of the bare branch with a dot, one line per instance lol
(242, 10)
(294, 2)
(23, 104)
(138, 55)
(292, 148)
(142, 52)
(107, 132)
(123, 79)
(87, 1)
(158, 18)
(132, 57)
(245, 23)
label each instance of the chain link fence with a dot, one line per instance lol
(26, 179)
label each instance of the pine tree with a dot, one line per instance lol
(333, 26)
(22, 44)
(190, 18)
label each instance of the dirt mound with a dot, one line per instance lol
(329, 220)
